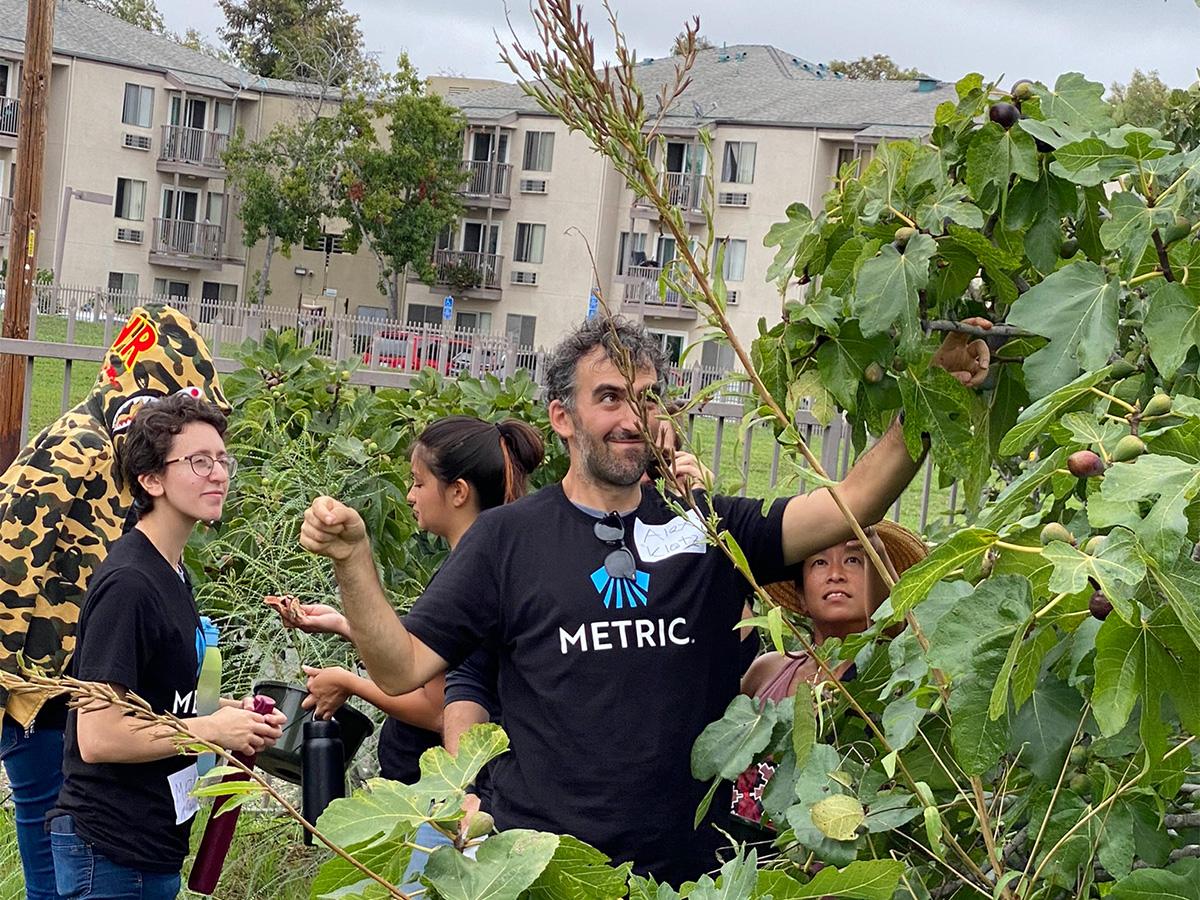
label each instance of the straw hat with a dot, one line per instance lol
(904, 549)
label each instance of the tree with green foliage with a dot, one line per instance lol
(1181, 116)
(879, 67)
(1141, 102)
(142, 13)
(193, 39)
(280, 183)
(291, 38)
(396, 177)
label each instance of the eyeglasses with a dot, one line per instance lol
(619, 563)
(202, 464)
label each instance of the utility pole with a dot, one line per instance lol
(27, 217)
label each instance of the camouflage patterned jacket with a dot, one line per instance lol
(62, 501)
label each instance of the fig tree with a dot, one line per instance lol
(1128, 448)
(1054, 531)
(1022, 90)
(1069, 248)
(1178, 231)
(873, 374)
(1085, 464)
(1004, 114)
(480, 824)
(1099, 605)
(1158, 405)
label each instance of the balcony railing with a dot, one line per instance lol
(10, 115)
(487, 179)
(641, 289)
(6, 211)
(179, 237)
(193, 146)
(682, 189)
(455, 267)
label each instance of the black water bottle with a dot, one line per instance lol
(323, 768)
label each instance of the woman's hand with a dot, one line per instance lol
(328, 690)
(311, 618)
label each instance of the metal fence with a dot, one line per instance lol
(86, 320)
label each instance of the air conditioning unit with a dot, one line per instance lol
(137, 141)
(733, 198)
(731, 298)
(130, 235)
(522, 277)
(533, 185)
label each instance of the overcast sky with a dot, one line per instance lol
(1104, 39)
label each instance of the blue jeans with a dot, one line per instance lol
(83, 873)
(33, 763)
(427, 836)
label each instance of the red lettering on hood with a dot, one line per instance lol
(138, 335)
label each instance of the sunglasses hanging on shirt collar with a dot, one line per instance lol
(619, 563)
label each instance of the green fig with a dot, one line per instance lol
(1079, 783)
(1178, 230)
(1095, 544)
(1078, 756)
(1158, 405)
(1128, 448)
(480, 824)
(1069, 248)
(1022, 90)
(904, 234)
(1085, 464)
(1054, 531)
(1122, 368)
(873, 373)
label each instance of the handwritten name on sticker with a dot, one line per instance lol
(680, 535)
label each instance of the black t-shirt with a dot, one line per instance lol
(400, 749)
(604, 685)
(137, 629)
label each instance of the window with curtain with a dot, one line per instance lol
(738, 164)
(530, 244)
(139, 105)
(735, 259)
(539, 151)
(130, 200)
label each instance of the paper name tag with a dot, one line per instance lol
(680, 535)
(181, 783)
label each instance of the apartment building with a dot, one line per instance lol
(135, 194)
(548, 223)
(548, 220)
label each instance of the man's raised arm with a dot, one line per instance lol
(397, 661)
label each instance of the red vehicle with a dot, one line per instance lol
(412, 351)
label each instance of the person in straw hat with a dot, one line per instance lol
(837, 590)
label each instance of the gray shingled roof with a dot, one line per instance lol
(756, 84)
(81, 31)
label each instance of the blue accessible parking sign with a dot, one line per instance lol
(447, 308)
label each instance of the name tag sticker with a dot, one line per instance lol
(681, 535)
(181, 783)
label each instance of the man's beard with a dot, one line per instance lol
(609, 467)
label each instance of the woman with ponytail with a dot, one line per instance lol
(461, 466)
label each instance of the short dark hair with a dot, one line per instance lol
(614, 334)
(150, 437)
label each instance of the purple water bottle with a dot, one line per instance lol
(218, 833)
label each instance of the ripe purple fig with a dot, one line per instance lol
(1085, 464)
(1004, 114)
(1100, 606)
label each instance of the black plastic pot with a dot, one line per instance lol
(283, 760)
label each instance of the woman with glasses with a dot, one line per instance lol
(461, 466)
(121, 825)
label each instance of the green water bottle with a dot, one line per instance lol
(208, 686)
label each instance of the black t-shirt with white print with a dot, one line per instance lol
(604, 685)
(138, 629)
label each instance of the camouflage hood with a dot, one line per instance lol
(62, 502)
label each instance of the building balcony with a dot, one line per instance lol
(187, 245)
(6, 217)
(192, 151)
(682, 189)
(469, 274)
(488, 184)
(642, 298)
(10, 119)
